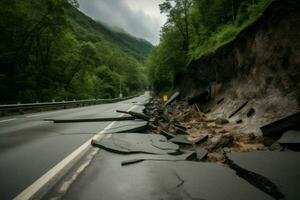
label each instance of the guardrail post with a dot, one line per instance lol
(65, 106)
(20, 110)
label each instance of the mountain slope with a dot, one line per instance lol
(136, 47)
(260, 67)
(50, 50)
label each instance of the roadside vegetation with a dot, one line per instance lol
(50, 50)
(195, 28)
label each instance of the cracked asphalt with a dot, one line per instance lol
(105, 178)
(259, 175)
(30, 146)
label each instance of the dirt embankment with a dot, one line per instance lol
(260, 68)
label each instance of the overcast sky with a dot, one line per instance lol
(140, 18)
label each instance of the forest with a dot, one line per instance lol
(195, 28)
(49, 50)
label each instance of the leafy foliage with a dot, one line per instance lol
(50, 50)
(195, 28)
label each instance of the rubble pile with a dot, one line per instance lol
(166, 141)
(217, 136)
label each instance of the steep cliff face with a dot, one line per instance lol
(260, 66)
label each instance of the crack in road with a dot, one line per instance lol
(257, 180)
(161, 148)
(179, 178)
(188, 195)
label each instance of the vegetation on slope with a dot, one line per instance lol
(50, 50)
(195, 28)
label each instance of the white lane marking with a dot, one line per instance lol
(35, 187)
(67, 184)
(8, 120)
(59, 111)
(50, 113)
(37, 115)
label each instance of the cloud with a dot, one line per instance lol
(140, 18)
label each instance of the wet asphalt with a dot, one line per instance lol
(30, 146)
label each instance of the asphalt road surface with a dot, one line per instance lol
(30, 146)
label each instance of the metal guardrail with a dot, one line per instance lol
(9, 107)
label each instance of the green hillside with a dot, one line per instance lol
(138, 48)
(196, 28)
(50, 50)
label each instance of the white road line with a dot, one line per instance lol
(64, 110)
(37, 115)
(48, 113)
(8, 120)
(36, 187)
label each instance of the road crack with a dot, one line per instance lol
(257, 180)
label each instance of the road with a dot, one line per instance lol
(30, 146)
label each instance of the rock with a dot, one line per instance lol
(222, 131)
(221, 141)
(239, 121)
(276, 147)
(200, 139)
(216, 157)
(181, 131)
(201, 153)
(248, 138)
(180, 139)
(167, 134)
(221, 121)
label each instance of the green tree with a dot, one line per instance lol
(195, 28)
(178, 16)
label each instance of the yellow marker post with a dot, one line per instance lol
(165, 98)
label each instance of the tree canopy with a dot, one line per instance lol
(50, 50)
(195, 28)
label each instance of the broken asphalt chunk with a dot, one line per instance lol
(291, 139)
(140, 158)
(180, 139)
(278, 127)
(200, 139)
(133, 161)
(180, 126)
(167, 134)
(90, 120)
(276, 147)
(279, 167)
(163, 118)
(136, 115)
(201, 153)
(181, 131)
(128, 143)
(134, 126)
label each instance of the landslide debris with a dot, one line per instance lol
(180, 121)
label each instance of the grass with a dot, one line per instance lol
(227, 32)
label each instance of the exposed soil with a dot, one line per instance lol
(216, 135)
(261, 66)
